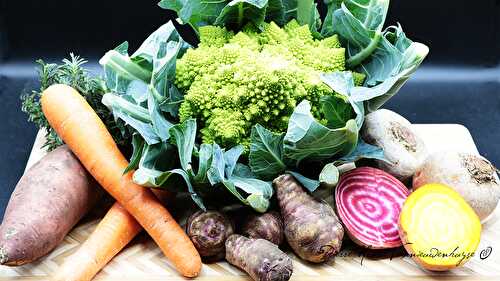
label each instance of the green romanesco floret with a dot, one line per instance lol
(245, 40)
(234, 81)
(331, 42)
(214, 36)
(225, 126)
(272, 34)
(303, 33)
(359, 78)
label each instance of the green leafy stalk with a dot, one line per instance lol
(266, 153)
(124, 67)
(236, 14)
(329, 175)
(304, 8)
(362, 151)
(128, 107)
(360, 23)
(307, 139)
(140, 84)
(387, 57)
(358, 58)
(240, 14)
(196, 13)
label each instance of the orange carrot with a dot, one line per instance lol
(111, 235)
(81, 129)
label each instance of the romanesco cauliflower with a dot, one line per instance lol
(233, 81)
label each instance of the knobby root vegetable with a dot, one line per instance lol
(81, 129)
(268, 226)
(402, 146)
(439, 229)
(261, 259)
(111, 235)
(209, 231)
(470, 175)
(368, 202)
(49, 199)
(311, 227)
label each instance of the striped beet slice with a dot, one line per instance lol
(368, 202)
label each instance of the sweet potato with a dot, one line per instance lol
(49, 199)
(261, 259)
(312, 228)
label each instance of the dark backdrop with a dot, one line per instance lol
(457, 31)
(458, 83)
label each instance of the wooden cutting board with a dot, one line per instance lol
(143, 260)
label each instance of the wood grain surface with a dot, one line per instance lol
(143, 260)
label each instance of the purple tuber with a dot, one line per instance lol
(261, 259)
(209, 231)
(311, 227)
(268, 226)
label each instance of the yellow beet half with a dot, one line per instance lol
(438, 228)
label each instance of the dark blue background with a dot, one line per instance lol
(458, 83)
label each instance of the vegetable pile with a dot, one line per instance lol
(261, 114)
(258, 96)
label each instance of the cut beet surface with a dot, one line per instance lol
(369, 202)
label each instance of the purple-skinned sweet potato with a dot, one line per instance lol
(261, 259)
(49, 199)
(312, 228)
(268, 226)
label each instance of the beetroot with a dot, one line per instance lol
(369, 202)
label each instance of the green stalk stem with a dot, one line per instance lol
(364, 53)
(240, 14)
(155, 93)
(124, 65)
(135, 111)
(304, 8)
